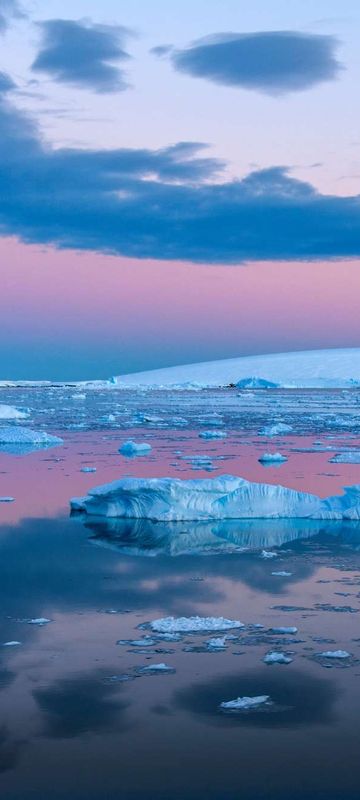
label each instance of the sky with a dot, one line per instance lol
(179, 182)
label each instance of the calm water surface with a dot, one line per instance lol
(80, 718)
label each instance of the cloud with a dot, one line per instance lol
(163, 204)
(9, 9)
(80, 53)
(273, 62)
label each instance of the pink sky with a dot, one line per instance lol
(65, 314)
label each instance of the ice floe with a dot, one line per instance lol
(275, 430)
(245, 703)
(193, 624)
(212, 434)
(334, 654)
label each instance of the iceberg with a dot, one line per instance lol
(10, 412)
(20, 441)
(275, 430)
(277, 658)
(335, 654)
(225, 497)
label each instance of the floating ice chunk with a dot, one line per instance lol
(10, 412)
(256, 383)
(88, 469)
(38, 621)
(11, 644)
(245, 703)
(219, 643)
(7, 499)
(335, 654)
(269, 458)
(268, 554)
(131, 448)
(213, 434)
(157, 668)
(352, 457)
(277, 658)
(275, 430)
(282, 574)
(147, 641)
(284, 630)
(17, 440)
(78, 396)
(193, 624)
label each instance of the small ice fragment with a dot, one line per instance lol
(335, 654)
(88, 469)
(245, 703)
(218, 643)
(11, 644)
(7, 499)
(193, 624)
(275, 430)
(213, 434)
(277, 658)
(268, 554)
(290, 630)
(131, 448)
(282, 574)
(268, 458)
(157, 668)
(78, 396)
(38, 621)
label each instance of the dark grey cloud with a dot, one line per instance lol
(81, 53)
(9, 9)
(274, 62)
(165, 204)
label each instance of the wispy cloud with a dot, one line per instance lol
(81, 53)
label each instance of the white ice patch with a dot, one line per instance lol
(282, 574)
(157, 668)
(213, 434)
(131, 448)
(219, 643)
(10, 412)
(11, 644)
(275, 430)
(245, 703)
(193, 624)
(225, 497)
(352, 457)
(7, 499)
(335, 654)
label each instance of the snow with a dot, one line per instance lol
(10, 412)
(304, 369)
(131, 448)
(193, 624)
(277, 658)
(270, 458)
(245, 703)
(335, 654)
(225, 497)
(17, 440)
